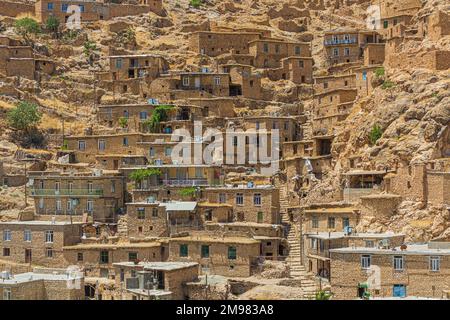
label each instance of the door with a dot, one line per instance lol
(116, 164)
(197, 82)
(27, 255)
(399, 290)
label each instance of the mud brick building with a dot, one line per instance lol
(318, 247)
(98, 195)
(346, 46)
(97, 259)
(133, 73)
(42, 284)
(216, 43)
(296, 69)
(155, 280)
(213, 107)
(268, 53)
(38, 242)
(228, 256)
(91, 10)
(420, 270)
(329, 218)
(333, 82)
(259, 204)
(358, 183)
(243, 81)
(365, 77)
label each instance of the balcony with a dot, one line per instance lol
(185, 182)
(67, 193)
(339, 41)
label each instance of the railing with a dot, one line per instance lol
(339, 41)
(69, 212)
(186, 182)
(67, 192)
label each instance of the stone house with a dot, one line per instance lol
(243, 82)
(319, 245)
(346, 46)
(42, 284)
(295, 69)
(155, 280)
(366, 78)
(329, 218)
(38, 242)
(98, 195)
(230, 256)
(92, 10)
(97, 259)
(420, 270)
(434, 26)
(374, 54)
(258, 204)
(212, 107)
(268, 53)
(333, 82)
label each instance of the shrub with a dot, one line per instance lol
(52, 24)
(123, 122)
(188, 192)
(195, 3)
(26, 27)
(140, 174)
(24, 116)
(387, 84)
(323, 295)
(160, 113)
(375, 134)
(379, 72)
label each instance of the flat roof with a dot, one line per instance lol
(110, 246)
(40, 223)
(338, 235)
(332, 210)
(31, 276)
(231, 187)
(245, 224)
(179, 205)
(161, 265)
(211, 239)
(411, 249)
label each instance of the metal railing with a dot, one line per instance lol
(67, 192)
(339, 41)
(186, 182)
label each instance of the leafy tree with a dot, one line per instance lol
(159, 114)
(25, 116)
(323, 295)
(52, 24)
(123, 122)
(140, 174)
(26, 27)
(375, 134)
(188, 192)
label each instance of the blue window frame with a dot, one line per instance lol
(364, 75)
(50, 6)
(64, 7)
(81, 7)
(399, 290)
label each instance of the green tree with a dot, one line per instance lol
(140, 174)
(24, 116)
(375, 134)
(323, 295)
(26, 27)
(52, 24)
(188, 192)
(159, 114)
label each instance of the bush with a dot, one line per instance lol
(323, 295)
(195, 3)
(188, 192)
(160, 113)
(27, 27)
(375, 134)
(140, 174)
(379, 72)
(387, 84)
(24, 116)
(52, 24)
(123, 122)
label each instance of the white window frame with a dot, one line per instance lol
(186, 81)
(398, 263)
(257, 199)
(435, 261)
(222, 197)
(7, 236)
(41, 203)
(366, 261)
(217, 81)
(335, 52)
(27, 235)
(7, 295)
(47, 250)
(49, 236)
(90, 205)
(101, 145)
(240, 196)
(346, 52)
(58, 205)
(82, 143)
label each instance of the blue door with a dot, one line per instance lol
(399, 290)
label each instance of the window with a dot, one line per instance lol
(7, 294)
(398, 263)
(435, 264)
(64, 7)
(260, 217)
(239, 199)
(346, 37)
(257, 199)
(90, 206)
(119, 63)
(346, 51)
(6, 252)
(277, 48)
(345, 222)
(297, 50)
(49, 236)
(155, 212)
(232, 253)
(132, 256)
(266, 47)
(122, 275)
(143, 115)
(70, 186)
(101, 145)
(141, 213)
(50, 6)
(222, 198)
(104, 256)
(82, 145)
(167, 151)
(205, 251)
(81, 7)
(7, 235)
(370, 244)
(125, 141)
(183, 250)
(365, 261)
(217, 81)
(113, 186)
(186, 81)
(331, 222)
(385, 24)
(151, 152)
(90, 187)
(315, 222)
(301, 64)
(335, 52)
(57, 186)
(27, 235)
(41, 203)
(80, 256)
(49, 252)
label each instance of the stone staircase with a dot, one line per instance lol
(122, 226)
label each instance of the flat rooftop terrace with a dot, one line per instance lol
(162, 266)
